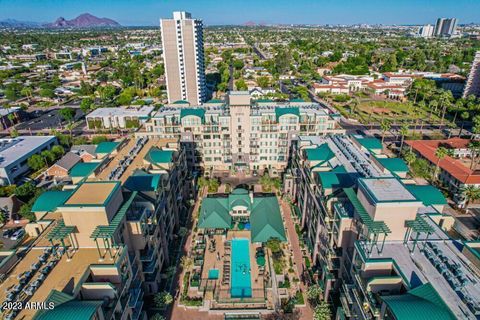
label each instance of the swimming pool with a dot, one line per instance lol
(240, 285)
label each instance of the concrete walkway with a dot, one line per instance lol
(306, 312)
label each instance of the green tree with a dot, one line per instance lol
(162, 300)
(68, 114)
(403, 133)
(86, 104)
(385, 126)
(58, 151)
(241, 85)
(99, 139)
(409, 157)
(263, 82)
(440, 153)
(471, 193)
(274, 245)
(238, 64)
(25, 191)
(36, 162)
(314, 293)
(48, 156)
(322, 311)
(464, 115)
(186, 263)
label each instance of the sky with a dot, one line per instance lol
(217, 12)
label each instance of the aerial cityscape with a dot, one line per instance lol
(253, 160)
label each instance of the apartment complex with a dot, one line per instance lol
(426, 31)
(473, 82)
(455, 171)
(182, 43)
(379, 242)
(445, 27)
(102, 243)
(239, 134)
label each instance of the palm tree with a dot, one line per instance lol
(409, 157)
(474, 148)
(322, 311)
(440, 153)
(464, 115)
(403, 133)
(445, 98)
(471, 193)
(186, 262)
(385, 125)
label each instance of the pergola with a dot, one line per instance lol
(106, 232)
(60, 232)
(374, 228)
(418, 225)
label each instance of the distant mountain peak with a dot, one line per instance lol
(85, 20)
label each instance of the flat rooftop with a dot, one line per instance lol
(12, 150)
(144, 111)
(386, 189)
(63, 277)
(92, 193)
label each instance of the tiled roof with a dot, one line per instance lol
(454, 167)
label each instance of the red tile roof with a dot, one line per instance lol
(454, 167)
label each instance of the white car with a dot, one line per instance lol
(18, 235)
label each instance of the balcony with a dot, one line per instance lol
(136, 294)
(137, 310)
(147, 255)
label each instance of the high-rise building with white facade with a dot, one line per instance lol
(445, 27)
(182, 42)
(426, 31)
(473, 82)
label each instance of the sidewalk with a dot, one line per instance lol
(306, 312)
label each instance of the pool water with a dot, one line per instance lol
(240, 284)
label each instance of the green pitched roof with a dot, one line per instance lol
(215, 101)
(321, 153)
(239, 197)
(198, 112)
(330, 179)
(181, 102)
(72, 310)
(106, 147)
(50, 200)
(428, 194)
(214, 214)
(370, 143)
(297, 100)
(286, 110)
(266, 220)
(393, 164)
(421, 303)
(142, 181)
(156, 155)
(83, 169)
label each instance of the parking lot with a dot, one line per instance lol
(46, 120)
(8, 243)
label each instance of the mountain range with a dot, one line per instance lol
(85, 20)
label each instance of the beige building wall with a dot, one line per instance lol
(85, 220)
(170, 58)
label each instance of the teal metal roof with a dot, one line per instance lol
(215, 101)
(370, 143)
(72, 310)
(330, 179)
(197, 112)
(181, 102)
(419, 225)
(83, 169)
(266, 220)
(321, 153)
(421, 303)
(239, 197)
(373, 226)
(297, 100)
(142, 181)
(49, 201)
(156, 155)
(393, 164)
(107, 231)
(428, 194)
(214, 214)
(106, 147)
(281, 111)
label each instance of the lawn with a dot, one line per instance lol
(377, 110)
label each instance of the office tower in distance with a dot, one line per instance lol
(426, 31)
(445, 27)
(473, 82)
(182, 41)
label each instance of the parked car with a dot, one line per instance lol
(18, 235)
(9, 232)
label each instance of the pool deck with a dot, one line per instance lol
(211, 261)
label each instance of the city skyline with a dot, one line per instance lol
(148, 12)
